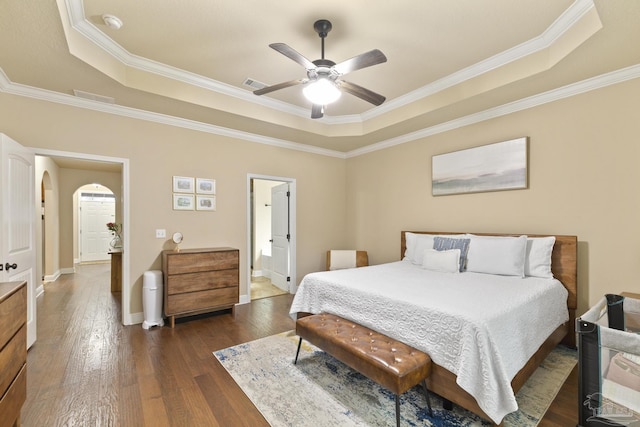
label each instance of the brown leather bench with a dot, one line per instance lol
(390, 363)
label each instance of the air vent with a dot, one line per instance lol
(94, 97)
(254, 84)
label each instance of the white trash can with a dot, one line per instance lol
(152, 299)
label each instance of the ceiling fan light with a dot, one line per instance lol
(321, 92)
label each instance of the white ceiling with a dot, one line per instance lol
(446, 59)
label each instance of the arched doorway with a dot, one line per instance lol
(95, 207)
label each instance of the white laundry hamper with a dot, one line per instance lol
(152, 299)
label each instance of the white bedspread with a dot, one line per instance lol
(481, 327)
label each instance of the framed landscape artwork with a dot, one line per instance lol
(205, 186)
(493, 167)
(183, 202)
(206, 203)
(182, 184)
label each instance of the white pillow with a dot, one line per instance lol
(538, 259)
(422, 243)
(445, 261)
(417, 243)
(497, 255)
(410, 244)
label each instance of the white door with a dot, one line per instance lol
(18, 219)
(280, 236)
(94, 235)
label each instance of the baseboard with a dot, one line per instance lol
(52, 277)
(245, 299)
(261, 273)
(68, 270)
(39, 290)
(135, 318)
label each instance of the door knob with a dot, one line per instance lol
(8, 266)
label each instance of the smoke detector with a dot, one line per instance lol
(112, 21)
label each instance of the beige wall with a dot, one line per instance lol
(584, 173)
(47, 177)
(157, 152)
(583, 180)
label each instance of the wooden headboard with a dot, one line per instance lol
(564, 262)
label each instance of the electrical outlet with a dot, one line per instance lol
(161, 234)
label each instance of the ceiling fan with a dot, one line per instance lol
(324, 84)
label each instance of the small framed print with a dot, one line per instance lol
(205, 186)
(183, 202)
(182, 184)
(206, 203)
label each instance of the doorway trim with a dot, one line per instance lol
(128, 318)
(293, 287)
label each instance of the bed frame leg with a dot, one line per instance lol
(298, 352)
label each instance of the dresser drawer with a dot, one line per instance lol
(192, 282)
(12, 401)
(12, 358)
(202, 300)
(183, 262)
(12, 314)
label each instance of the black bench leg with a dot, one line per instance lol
(426, 395)
(298, 352)
(397, 410)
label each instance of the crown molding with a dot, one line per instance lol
(560, 26)
(6, 86)
(571, 16)
(584, 86)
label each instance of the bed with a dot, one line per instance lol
(457, 321)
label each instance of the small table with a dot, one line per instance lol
(116, 270)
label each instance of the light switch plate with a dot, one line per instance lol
(161, 234)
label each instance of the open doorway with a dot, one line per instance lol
(72, 171)
(271, 233)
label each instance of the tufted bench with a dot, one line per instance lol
(390, 363)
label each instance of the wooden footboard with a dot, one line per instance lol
(443, 382)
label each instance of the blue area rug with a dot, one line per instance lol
(321, 391)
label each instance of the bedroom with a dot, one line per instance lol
(582, 166)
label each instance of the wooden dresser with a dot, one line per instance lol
(200, 281)
(13, 351)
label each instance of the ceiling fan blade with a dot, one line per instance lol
(317, 111)
(361, 92)
(279, 86)
(291, 53)
(364, 60)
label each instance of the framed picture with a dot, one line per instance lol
(206, 203)
(182, 184)
(205, 186)
(493, 167)
(183, 202)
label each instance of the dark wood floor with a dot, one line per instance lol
(86, 369)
